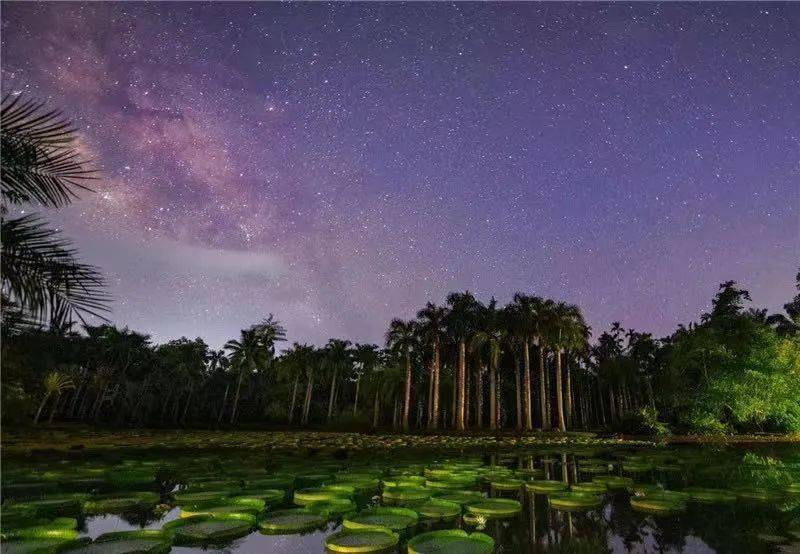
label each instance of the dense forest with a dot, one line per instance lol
(463, 364)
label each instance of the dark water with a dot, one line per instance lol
(764, 517)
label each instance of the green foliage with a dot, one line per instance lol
(644, 422)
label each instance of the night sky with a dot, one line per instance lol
(340, 165)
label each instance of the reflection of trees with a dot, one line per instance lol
(624, 522)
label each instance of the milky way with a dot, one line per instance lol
(339, 165)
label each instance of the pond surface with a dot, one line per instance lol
(622, 499)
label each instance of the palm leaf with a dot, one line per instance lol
(40, 163)
(42, 274)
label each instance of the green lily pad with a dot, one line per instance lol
(614, 482)
(460, 497)
(209, 529)
(363, 540)
(119, 504)
(333, 507)
(396, 519)
(657, 504)
(199, 499)
(451, 541)
(303, 497)
(438, 509)
(494, 507)
(757, 494)
(507, 484)
(574, 501)
(146, 541)
(404, 494)
(590, 488)
(546, 486)
(284, 522)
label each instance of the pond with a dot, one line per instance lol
(540, 499)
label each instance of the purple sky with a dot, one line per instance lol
(340, 165)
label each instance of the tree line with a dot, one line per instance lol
(462, 365)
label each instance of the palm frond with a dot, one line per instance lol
(40, 163)
(42, 274)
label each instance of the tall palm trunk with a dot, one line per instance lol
(435, 404)
(54, 407)
(309, 393)
(543, 391)
(518, 390)
(294, 397)
(355, 400)
(407, 395)
(467, 392)
(526, 384)
(395, 413)
(333, 392)
(236, 395)
(562, 424)
(568, 393)
(376, 409)
(462, 378)
(478, 398)
(188, 403)
(41, 407)
(493, 394)
(224, 401)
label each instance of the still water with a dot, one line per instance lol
(679, 499)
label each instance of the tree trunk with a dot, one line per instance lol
(478, 398)
(41, 407)
(407, 395)
(518, 391)
(542, 391)
(461, 388)
(395, 414)
(526, 392)
(562, 424)
(53, 408)
(309, 394)
(376, 409)
(224, 401)
(435, 404)
(294, 397)
(236, 394)
(493, 394)
(568, 398)
(355, 400)
(467, 391)
(188, 403)
(333, 392)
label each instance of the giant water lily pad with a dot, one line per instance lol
(494, 507)
(200, 499)
(507, 484)
(757, 494)
(614, 482)
(546, 486)
(304, 497)
(52, 506)
(210, 529)
(438, 509)
(460, 497)
(400, 495)
(590, 488)
(118, 504)
(362, 540)
(396, 519)
(657, 504)
(574, 501)
(146, 541)
(333, 507)
(451, 541)
(298, 520)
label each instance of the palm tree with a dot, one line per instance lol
(402, 337)
(55, 383)
(247, 354)
(525, 315)
(40, 164)
(218, 361)
(460, 325)
(338, 357)
(490, 333)
(431, 329)
(292, 365)
(366, 357)
(270, 331)
(565, 326)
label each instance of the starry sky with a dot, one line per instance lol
(342, 164)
